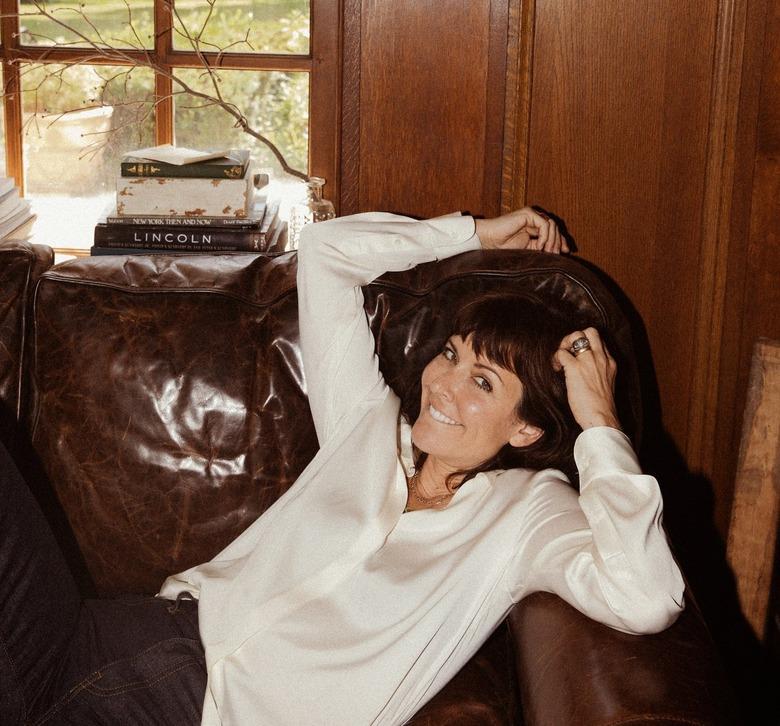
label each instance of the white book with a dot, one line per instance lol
(178, 155)
(187, 197)
(10, 203)
(11, 227)
(6, 184)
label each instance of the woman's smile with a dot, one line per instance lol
(437, 415)
(468, 407)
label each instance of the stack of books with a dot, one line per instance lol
(171, 199)
(16, 217)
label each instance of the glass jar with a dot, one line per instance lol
(312, 208)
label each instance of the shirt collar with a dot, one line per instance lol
(405, 452)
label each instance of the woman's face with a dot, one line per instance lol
(468, 408)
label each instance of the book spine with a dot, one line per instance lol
(202, 170)
(178, 221)
(168, 196)
(185, 239)
(97, 251)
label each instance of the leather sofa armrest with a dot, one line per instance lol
(573, 670)
(482, 693)
(21, 264)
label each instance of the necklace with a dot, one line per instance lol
(414, 491)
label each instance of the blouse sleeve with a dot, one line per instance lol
(335, 259)
(605, 552)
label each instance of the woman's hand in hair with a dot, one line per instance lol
(590, 380)
(523, 229)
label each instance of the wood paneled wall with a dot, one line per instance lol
(422, 124)
(618, 147)
(635, 122)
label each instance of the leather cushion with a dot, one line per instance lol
(169, 406)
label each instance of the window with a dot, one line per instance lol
(275, 60)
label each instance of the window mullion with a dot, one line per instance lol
(242, 61)
(12, 98)
(163, 110)
(163, 87)
(324, 107)
(12, 102)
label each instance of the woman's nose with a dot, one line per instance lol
(443, 385)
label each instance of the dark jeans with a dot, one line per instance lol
(128, 661)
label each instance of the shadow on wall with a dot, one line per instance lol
(698, 545)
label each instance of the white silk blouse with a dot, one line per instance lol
(335, 606)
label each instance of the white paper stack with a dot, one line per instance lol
(15, 213)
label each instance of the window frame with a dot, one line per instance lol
(321, 63)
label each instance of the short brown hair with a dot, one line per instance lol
(520, 333)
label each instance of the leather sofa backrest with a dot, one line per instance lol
(169, 403)
(21, 264)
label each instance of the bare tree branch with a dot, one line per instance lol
(110, 50)
(132, 25)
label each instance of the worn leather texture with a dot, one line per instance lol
(21, 264)
(615, 678)
(174, 385)
(168, 410)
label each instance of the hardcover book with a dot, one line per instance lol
(253, 219)
(96, 251)
(171, 154)
(231, 166)
(16, 224)
(15, 213)
(188, 238)
(275, 244)
(172, 196)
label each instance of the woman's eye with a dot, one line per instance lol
(483, 383)
(448, 353)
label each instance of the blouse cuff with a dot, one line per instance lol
(603, 450)
(461, 231)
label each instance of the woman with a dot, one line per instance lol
(403, 544)
(361, 612)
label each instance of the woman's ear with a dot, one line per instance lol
(525, 434)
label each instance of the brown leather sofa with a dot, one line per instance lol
(162, 399)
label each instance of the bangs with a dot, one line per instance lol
(492, 344)
(500, 327)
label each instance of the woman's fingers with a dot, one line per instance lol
(590, 334)
(550, 238)
(590, 377)
(554, 239)
(556, 242)
(524, 228)
(544, 233)
(543, 227)
(565, 249)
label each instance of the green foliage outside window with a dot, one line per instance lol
(83, 149)
(276, 104)
(106, 19)
(275, 26)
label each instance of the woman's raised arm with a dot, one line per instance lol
(605, 553)
(335, 259)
